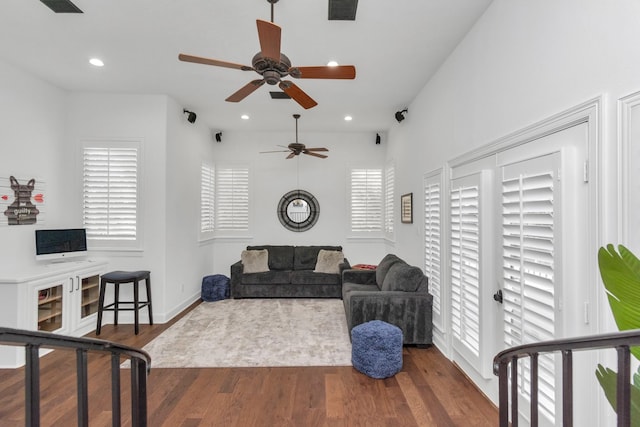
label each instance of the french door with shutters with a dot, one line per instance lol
(543, 261)
(530, 237)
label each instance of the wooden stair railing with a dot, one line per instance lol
(33, 341)
(621, 341)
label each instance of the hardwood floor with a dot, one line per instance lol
(429, 391)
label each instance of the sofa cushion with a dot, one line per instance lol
(329, 261)
(278, 277)
(308, 277)
(280, 257)
(255, 261)
(403, 277)
(305, 257)
(384, 266)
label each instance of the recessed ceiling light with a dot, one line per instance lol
(332, 64)
(96, 62)
(348, 118)
(244, 117)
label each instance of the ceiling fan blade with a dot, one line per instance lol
(245, 91)
(276, 151)
(317, 149)
(208, 61)
(269, 35)
(297, 94)
(292, 155)
(322, 156)
(324, 72)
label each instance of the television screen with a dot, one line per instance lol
(70, 242)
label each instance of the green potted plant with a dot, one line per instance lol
(621, 276)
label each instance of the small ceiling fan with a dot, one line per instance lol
(295, 148)
(274, 66)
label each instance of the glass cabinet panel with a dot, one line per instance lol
(50, 308)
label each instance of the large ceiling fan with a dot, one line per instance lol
(295, 148)
(274, 66)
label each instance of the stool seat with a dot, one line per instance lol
(119, 277)
(125, 276)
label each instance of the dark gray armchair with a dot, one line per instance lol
(396, 293)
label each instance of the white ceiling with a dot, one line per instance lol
(395, 45)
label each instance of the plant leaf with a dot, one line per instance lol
(621, 276)
(608, 380)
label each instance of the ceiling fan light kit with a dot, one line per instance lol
(274, 66)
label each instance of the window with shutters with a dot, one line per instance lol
(389, 202)
(465, 266)
(232, 199)
(207, 201)
(366, 200)
(528, 267)
(432, 243)
(110, 193)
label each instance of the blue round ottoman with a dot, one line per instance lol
(215, 287)
(377, 349)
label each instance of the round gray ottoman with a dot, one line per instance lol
(377, 349)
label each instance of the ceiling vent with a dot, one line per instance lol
(342, 10)
(279, 95)
(61, 6)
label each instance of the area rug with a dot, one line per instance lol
(256, 333)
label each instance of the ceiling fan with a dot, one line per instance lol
(274, 66)
(295, 148)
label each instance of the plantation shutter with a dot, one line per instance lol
(366, 200)
(110, 193)
(207, 198)
(432, 243)
(232, 202)
(465, 265)
(529, 236)
(389, 205)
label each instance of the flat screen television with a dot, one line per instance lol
(59, 244)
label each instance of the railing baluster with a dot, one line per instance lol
(534, 389)
(623, 399)
(138, 393)
(115, 390)
(567, 388)
(514, 392)
(83, 395)
(503, 394)
(32, 385)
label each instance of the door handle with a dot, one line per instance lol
(498, 296)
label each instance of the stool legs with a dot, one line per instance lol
(148, 282)
(116, 302)
(136, 312)
(100, 306)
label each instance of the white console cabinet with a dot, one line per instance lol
(61, 298)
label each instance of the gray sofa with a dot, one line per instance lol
(290, 275)
(396, 293)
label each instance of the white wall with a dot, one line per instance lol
(521, 63)
(327, 179)
(33, 116)
(187, 259)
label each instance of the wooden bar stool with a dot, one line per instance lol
(118, 277)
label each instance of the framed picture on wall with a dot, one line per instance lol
(406, 208)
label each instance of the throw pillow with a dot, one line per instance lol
(403, 277)
(255, 261)
(329, 262)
